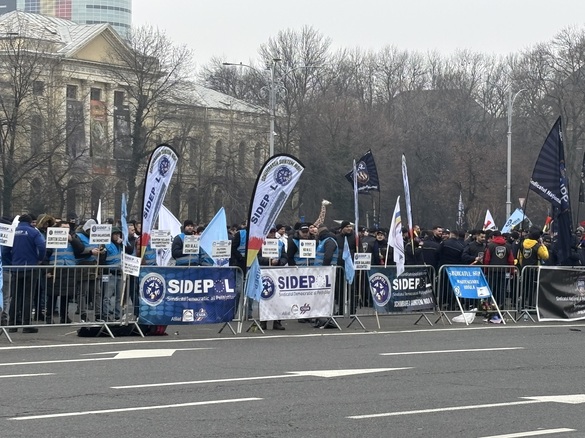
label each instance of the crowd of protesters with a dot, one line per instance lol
(29, 298)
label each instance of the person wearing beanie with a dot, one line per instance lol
(28, 250)
(182, 259)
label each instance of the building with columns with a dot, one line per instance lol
(69, 146)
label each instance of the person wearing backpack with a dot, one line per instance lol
(532, 252)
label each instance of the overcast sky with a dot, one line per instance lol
(235, 29)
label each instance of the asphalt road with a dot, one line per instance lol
(402, 381)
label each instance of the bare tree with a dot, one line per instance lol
(28, 69)
(151, 71)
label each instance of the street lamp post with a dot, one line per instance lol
(511, 100)
(272, 98)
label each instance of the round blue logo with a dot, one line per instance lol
(283, 175)
(380, 287)
(152, 289)
(268, 288)
(164, 165)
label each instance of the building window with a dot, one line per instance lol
(71, 91)
(36, 134)
(118, 99)
(242, 156)
(194, 152)
(38, 88)
(95, 94)
(257, 157)
(219, 158)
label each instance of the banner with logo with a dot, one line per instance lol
(468, 282)
(412, 291)
(179, 296)
(366, 174)
(159, 172)
(561, 294)
(274, 184)
(293, 293)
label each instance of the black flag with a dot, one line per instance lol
(549, 180)
(367, 174)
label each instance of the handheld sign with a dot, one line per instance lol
(100, 234)
(221, 249)
(362, 261)
(270, 248)
(191, 244)
(7, 234)
(160, 239)
(131, 265)
(57, 237)
(307, 249)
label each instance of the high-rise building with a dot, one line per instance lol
(116, 12)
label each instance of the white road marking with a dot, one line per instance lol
(567, 399)
(322, 373)
(142, 354)
(531, 433)
(139, 408)
(26, 375)
(453, 408)
(127, 354)
(169, 340)
(573, 399)
(404, 353)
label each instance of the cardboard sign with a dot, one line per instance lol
(7, 234)
(221, 249)
(160, 239)
(191, 244)
(57, 237)
(131, 265)
(362, 261)
(100, 234)
(307, 249)
(270, 248)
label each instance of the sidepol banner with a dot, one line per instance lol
(561, 294)
(410, 292)
(295, 292)
(172, 296)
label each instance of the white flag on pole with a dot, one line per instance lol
(488, 223)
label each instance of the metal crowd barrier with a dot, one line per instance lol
(361, 303)
(340, 308)
(38, 297)
(504, 282)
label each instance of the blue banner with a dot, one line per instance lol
(412, 291)
(468, 282)
(185, 296)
